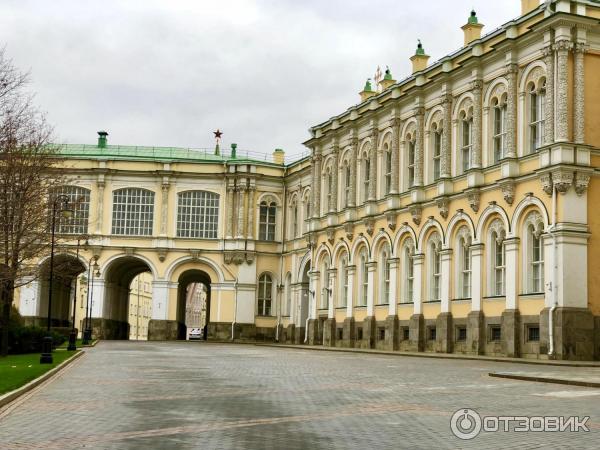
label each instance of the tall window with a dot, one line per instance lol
(364, 278)
(499, 269)
(330, 188)
(366, 177)
(499, 108)
(536, 260)
(344, 281)
(411, 161)
(437, 152)
(306, 212)
(266, 230)
(464, 268)
(197, 214)
(409, 274)
(325, 286)
(536, 117)
(347, 184)
(466, 125)
(265, 294)
(387, 154)
(295, 219)
(79, 201)
(133, 212)
(384, 275)
(436, 271)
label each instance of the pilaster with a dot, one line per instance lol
(418, 260)
(477, 87)
(371, 268)
(511, 249)
(419, 145)
(476, 276)
(562, 47)
(393, 297)
(373, 164)
(511, 110)
(446, 260)
(396, 124)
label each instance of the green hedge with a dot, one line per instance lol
(22, 339)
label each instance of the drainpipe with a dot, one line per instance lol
(234, 310)
(310, 293)
(552, 230)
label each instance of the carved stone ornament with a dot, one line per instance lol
(391, 220)
(129, 251)
(370, 225)
(546, 180)
(562, 179)
(312, 240)
(162, 253)
(443, 204)
(330, 235)
(508, 191)
(416, 212)
(582, 180)
(195, 253)
(474, 198)
(349, 230)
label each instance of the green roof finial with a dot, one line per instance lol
(420, 49)
(368, 87)
(473, 18)
(388, 74)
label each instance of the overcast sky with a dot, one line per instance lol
(169, 72)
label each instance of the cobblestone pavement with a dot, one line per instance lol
(141, 395)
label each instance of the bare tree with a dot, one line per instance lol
(29, 170)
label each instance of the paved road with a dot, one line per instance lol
(139, 395)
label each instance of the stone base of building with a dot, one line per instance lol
(417, 333)
(348, 333)
(391, 341)
(511, 333)
(444, 333)
(574, 334)
(42, 322)
(290, 334)
(300, 335)
(313, 332)
(165, 330)
(109, 329)
(329, 333)
(365, 333)
(476, 333)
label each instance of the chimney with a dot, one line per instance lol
(419, 59)
(472, 29)
(528, 5)
(102, 139)
(233, 151)
(279, 156)
(388, 80)
(367, 92)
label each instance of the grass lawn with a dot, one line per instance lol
(17, 370)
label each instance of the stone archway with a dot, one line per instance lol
(186, 287)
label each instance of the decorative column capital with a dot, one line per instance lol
(582, 181)
(477, 85)
(512, 68)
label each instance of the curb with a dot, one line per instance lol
(437, 356)
(511, 376)
(9, 397)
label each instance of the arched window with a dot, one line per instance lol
(497, 258)
(536, 100)
(412, 154)
(325, 285)
(343, 281)
(265, 294)
(347, 182)
(197, 214)
(295, 220)
(435, 268)
(466, 139)
(499, 128)
(366, 177)
(288, 294)
(463, 264)
(534, 264)
(307, 211)
(384, 274)
(364, 277)
(437, 151)
(330, 188)
(387, 164)
(266, 231)
(409, 272)
(79, 202)
(133, 212)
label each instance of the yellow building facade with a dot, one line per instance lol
(451, 211)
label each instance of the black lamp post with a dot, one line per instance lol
(87, 333)
(59, 204)
(73, 334)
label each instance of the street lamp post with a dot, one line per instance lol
(73, 334)
(87, 333)
(63, 202)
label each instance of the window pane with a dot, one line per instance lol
(197, 214)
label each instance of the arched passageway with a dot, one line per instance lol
(66, 269)
(118, 278)
(193, 302)
(303, 305)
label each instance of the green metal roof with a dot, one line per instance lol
(163, 154)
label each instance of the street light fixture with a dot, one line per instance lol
(60, 205)
(92, 269)
(73, 334)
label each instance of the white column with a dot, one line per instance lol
(98, 297)
(99, 206)
(511, 250)
(164, 210)
(313, 294)
(446, 257)
(160, 300)
(371, 268)
(476, 274)
(393, 297)
(579, 94)
(562, 47)
(350, 299)
(418, 261)
(332, 293)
